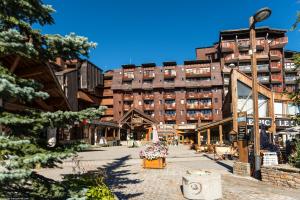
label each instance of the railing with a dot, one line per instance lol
(148, 96)
(148, 106)
(245, 68)
(204, 95)
(169, 96)
(192, 106)
(276, 66)
(128, 76)
(244, 44)
(263, 79)
(170, 117)
(275, 54)
(149, 75)
(193, 116)
(207, 117)
(206, 106)
(290, 67)
(170, 74)
(290, 79)
(262, 55)
(198, 73)
(227, 46)
(244, 57)
(128, 97)
(230, 57)
(279, 42)
(263, 67)
(170, 106)
(276, 78)
(192, 95)
(260, 43)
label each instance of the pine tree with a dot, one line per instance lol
(23, 146)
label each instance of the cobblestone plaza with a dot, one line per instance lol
(129, 180)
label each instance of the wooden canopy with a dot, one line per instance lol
(41, 72)
(134, 118)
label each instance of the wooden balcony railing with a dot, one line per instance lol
(227, 46)
(148, 106)
(193, 116)
(275, 54)
(206, 117)
(170, 117)
(262, 56)
(149, 75)
(276, 78)
(244, 56)
(230, 58)
(148, 96)
(128, 97)
(192, 95)
(279, 42)
(205, 95)
(170, 106)
(277, 66)
(169, 96)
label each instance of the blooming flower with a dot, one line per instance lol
(154, 151)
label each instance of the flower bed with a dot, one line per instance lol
(154, 155)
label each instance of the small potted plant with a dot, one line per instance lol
(154, 155)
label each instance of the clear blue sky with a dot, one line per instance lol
(161, 30)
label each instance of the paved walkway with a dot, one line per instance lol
(129, 180)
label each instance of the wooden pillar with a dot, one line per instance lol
(199, 138)
(105, 132)
(119, 133)
(221, 134)
(114, 133)
(208, 136)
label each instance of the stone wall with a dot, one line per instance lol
(281, 175)
(241, 169)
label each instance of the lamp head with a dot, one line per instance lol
(262, 14)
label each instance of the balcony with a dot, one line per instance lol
(244, 45)
(207, 117)
(276, 67)
(205, 106)
(170, 106)
(227, 46)
(245, 56)
(279, 42)
(148, 96)
(263, 79)
(198, 73)
(128, 77)
(275, 55)
(290, 67)
(128, 97)
(148, 75)
(291, 79)
(192, 106)
(148, 106)
(169, 74)
(260, 44)
(127, 107)
(192, 95)
(230, 58)
(170, 117)
(263, 68)
(169, 96)
(193, 116)
(262, 56)
(276, 78)
(245, 68)
(205, 95)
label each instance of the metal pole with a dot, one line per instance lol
(255, 99)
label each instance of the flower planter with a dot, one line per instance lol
(158, 163)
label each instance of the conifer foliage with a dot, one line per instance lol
(23, 146)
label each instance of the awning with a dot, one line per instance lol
(289, 131)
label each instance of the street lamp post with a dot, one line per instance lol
(260, 15)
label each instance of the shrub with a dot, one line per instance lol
(294, 158)
(100, 191)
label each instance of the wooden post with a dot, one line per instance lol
(208, 136)
(114, 133)
(221, 134)
(105, 132)
(199, 139)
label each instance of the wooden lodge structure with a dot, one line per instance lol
(72, 86)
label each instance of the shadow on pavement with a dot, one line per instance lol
(118, 178)
(228, 167)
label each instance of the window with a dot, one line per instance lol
(216, 100)
(216, 111)
(182, 101)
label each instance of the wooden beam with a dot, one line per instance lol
(30, 74)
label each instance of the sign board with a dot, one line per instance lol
(262, 121)
(242, 132)
(186, 126)
(137, 120)
(285, 122)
